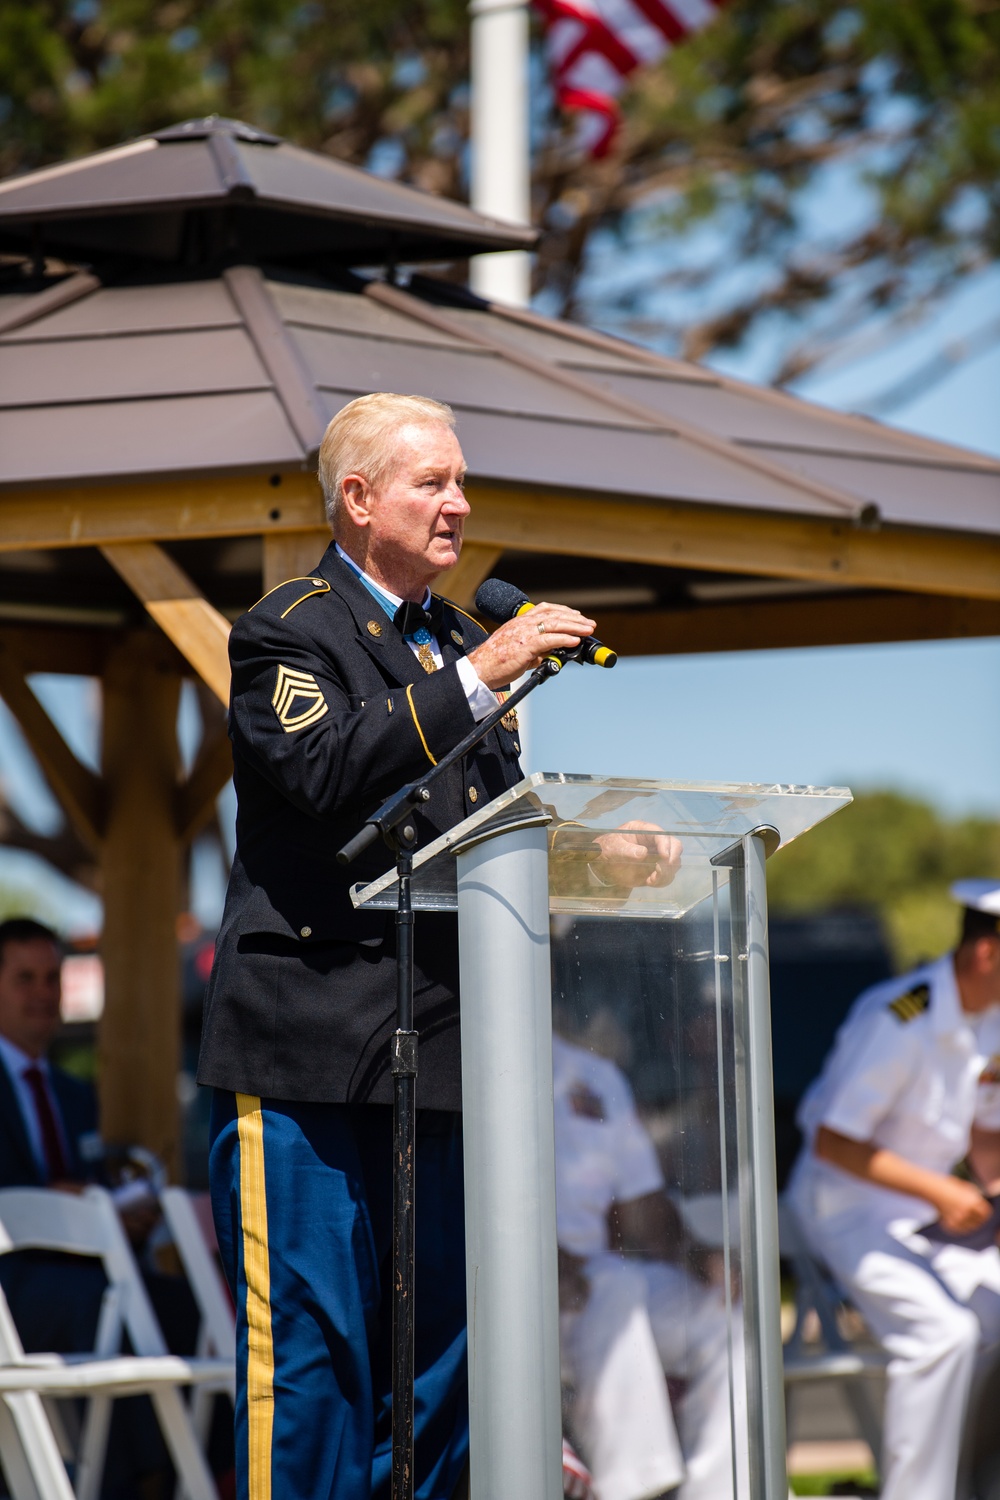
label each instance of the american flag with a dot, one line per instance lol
(593, 46)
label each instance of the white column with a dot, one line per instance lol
(500, 146)
(510, 1173)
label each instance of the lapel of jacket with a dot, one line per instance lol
(78, 1117)
(449, 647)
(386, 646)
(12, 1126)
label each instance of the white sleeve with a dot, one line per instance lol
(873, 1078)
(481, 699)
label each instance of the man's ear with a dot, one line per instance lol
(356, 498)
(987, 955)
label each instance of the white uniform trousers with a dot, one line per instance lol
(936, 1310)
(644, 1319)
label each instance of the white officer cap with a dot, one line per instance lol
(978, 895)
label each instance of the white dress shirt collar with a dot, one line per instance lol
(394, 599)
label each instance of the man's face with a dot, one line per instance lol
(29, 994)
(416, 519)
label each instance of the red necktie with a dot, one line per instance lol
(55, 1156)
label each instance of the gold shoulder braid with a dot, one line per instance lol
(912, 1004)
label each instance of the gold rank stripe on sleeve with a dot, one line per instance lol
(298, 699)
(912, 1004)
(257, 1274)
(416, 721)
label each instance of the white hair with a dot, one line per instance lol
(363, 439)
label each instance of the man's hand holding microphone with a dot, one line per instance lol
(638, 854)
(522, 643)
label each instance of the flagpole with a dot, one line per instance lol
(499, 140)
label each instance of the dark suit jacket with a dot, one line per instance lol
(77, 1103)
(330, 714)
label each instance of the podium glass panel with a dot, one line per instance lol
(707, 817)
(621, 1206)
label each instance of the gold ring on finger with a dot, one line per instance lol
(541, 629)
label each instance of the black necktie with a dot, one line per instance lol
(409, 617)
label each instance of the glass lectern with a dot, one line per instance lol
(667, 988)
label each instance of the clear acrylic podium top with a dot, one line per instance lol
(707, 817)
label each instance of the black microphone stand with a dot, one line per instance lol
(394, 822)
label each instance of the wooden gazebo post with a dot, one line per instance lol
(141, 855)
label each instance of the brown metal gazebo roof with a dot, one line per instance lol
(213, 190)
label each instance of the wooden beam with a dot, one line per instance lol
(159, 510)
(55, 648)
(774, 625)
(732, 541)
(196, 628)
(195, 802)
(140, 1032)
(77, 789)
(668, 533)
(475, 563)
(291, 554)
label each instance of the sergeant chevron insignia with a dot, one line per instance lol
(912, 1004)
(298, 699)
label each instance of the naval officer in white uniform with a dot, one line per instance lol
(633, 1318)
(913, 1079)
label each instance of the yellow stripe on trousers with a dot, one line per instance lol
(257, 1273)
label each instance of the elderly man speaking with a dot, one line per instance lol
(346, 684)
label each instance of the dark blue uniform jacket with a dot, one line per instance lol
(331, 712)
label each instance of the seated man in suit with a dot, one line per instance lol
(48, 1138)
(48, 1119)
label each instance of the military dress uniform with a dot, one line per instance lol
(333, 710)
(642, 1317)
(911, 1072)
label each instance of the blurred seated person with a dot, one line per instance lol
(911, 1087)
(49, 1138)
(630, 1314)
(48, 1119)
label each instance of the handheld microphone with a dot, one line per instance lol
(502, 602)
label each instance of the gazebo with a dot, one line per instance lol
(179, 319)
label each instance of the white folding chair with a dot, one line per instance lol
(217, 1334)
(217, 1330)
(87, 1225)
(840, 1360)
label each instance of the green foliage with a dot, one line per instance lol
(894, 855)
(823, 1484)
(78, 75)
(743, 122)
(735, 127)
